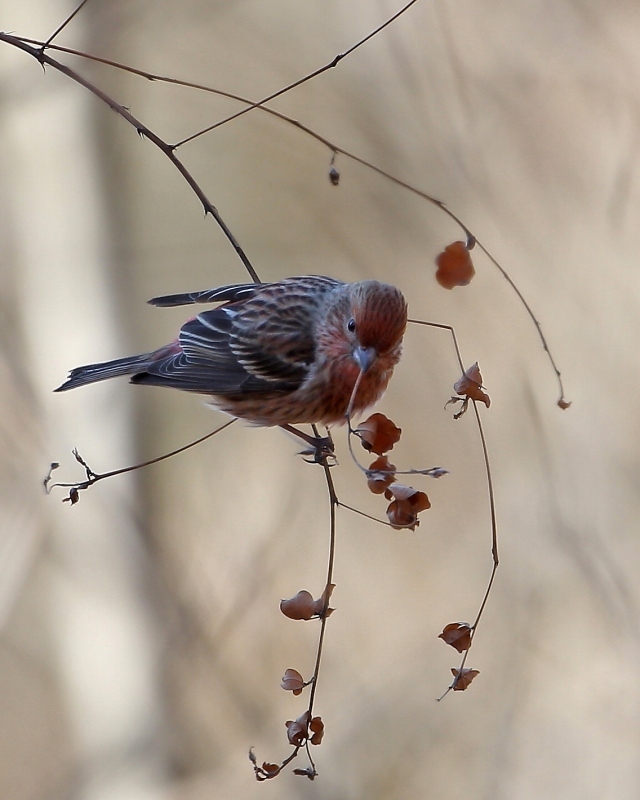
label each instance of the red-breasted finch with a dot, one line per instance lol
(277, 353)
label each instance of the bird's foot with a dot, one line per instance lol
(320, 450)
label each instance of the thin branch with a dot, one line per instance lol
(143, 130)
(494, 550)
(169, 151)
(492, 502)
(335, 149)
(260, 772)
(431, 472)
(562, 401)
(333, 503)
(363, 514)
(94, 477)
(444, 328)
(63, 25)
(333, 63)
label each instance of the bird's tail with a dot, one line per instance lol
(91, 373)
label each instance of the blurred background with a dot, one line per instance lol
(141, 646)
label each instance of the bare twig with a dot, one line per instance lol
(562, 401)
(142, 130)
(260, 772)
(366, 516)
(63, 25)
(494, 549)
(444, 328)
(490, 493)
(93, 477)
(335, 149)
(333, 63)
(333, 502)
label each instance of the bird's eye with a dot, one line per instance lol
(351, 325)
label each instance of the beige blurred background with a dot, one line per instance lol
(141, 646)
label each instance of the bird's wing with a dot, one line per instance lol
(275, 334)
(223, 294)
(204, 362)
(262, 340)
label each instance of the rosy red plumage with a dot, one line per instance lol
(277, 353)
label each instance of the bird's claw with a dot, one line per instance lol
(321, 450)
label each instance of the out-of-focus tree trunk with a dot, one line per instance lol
(78, 671)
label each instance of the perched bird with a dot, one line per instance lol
(277, 353)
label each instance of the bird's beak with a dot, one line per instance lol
(365, 357)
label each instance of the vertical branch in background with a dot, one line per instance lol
(94, 629)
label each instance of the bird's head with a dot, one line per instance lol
(366, 322)
(377, 322)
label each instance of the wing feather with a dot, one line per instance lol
(222, 294)
(262, 341)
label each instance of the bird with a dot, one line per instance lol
(276, 354)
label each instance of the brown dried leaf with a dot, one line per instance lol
(297, 732)
(316, 726)
(266, 771)
(406, 504)
(455, 267)
(463, 678)
(302, 606)
(378, 434)
(73, 497)
(292, 681)
(564, 404)
(334, 176)
(380, 475)
(470, 385)
(458, 635)
(400, 518)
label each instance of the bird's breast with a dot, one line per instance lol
(341, 377)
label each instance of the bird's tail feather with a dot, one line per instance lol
(91, 373)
